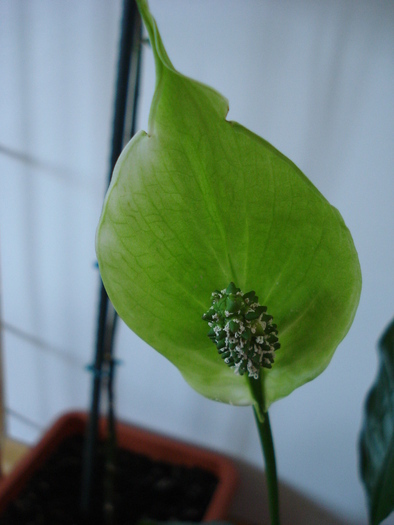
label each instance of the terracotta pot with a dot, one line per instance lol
(131, 438)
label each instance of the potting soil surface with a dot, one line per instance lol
(143, 489)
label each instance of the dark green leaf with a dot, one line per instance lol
(377, 437)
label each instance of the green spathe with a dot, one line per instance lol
(198, 202)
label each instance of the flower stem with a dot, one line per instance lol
(267, 444)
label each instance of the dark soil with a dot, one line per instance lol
(144, 489)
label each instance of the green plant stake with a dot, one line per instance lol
(198, 203)
(377, 436)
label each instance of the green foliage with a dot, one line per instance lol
(377, 437)
(198, 202)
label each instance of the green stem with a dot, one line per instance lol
(267, 444)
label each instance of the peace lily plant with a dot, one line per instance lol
(210, 235)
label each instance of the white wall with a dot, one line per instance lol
(316, 80)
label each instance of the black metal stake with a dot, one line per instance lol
(124, 127)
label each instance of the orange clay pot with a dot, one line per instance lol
(154, 446)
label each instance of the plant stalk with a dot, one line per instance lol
(267, 445)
